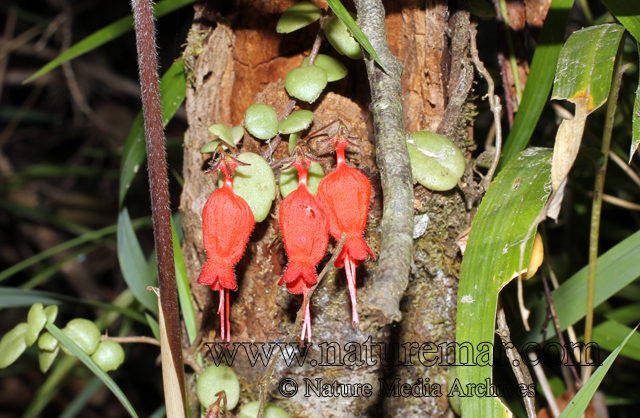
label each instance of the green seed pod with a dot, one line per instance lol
(293, 141)
(237, 132)
(335, 69)
(216, 379)
(297, 17)
(47, 342)
(36, 319)
(223, 133)
(340, 38)
(250, 410)
(436, 162)
(296, 122)
(255, 183)
(289, 179)
(51, 312)
(13, 344)
(84, 333)
(46, 358)
(210, 146)
(306, 83)
(109, 355)
(261, 121)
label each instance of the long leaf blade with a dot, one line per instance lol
(105, 35)
(543, 68)
(346, 18)
(173, 89)
(492, 259)
(628, 13)
(184, 292)
(580, 402)
(83, 357)
(133, 264)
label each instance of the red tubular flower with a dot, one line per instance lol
(345, 194)
(227, 222)
(304, 227)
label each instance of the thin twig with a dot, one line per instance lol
(293, 334)
(136, 339)
(494, 103)
(625, 167)
(567, 378)
(517, 364)
(544, 382)
(597, 204)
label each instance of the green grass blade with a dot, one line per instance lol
(635, 137)
(81, 400)
(106, 379)
(628, 13)
(610, 334)
(133, 263)
(579, 403)
(173, 89)
(543, 68)
(11, 297)
(184, 291)
(346, 18)
(626, 315)
(617, 268)
(492, 259)
(88, 237)
(39, 215)
(105, 35)
(153, 324)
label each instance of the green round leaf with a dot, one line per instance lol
(51, 312)
(36, 320)
(297, 17)
(47, 342)
(109, 355)
(46, 358)
(210, 146)
(306, 83)
(296, 122)
(223, 133)
(216, 379)
(255, 183)
(340, 38)
(289, 179)
(84, 333)
(335, 69)
(250, 410)
(261, 121)
(237, 132)
(293, 140)
(13, 344)
(436, 162)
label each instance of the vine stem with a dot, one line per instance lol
(596, 208)
(159, 185)
(266, 378)
(494, 103)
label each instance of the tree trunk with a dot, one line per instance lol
(237, 60)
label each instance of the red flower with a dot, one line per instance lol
(227, 222)
(304, 227)
(345, 194)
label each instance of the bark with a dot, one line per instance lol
(242, 61)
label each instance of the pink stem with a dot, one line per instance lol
(350, 268)
(221, 312)
(306, 326)
(228, 316)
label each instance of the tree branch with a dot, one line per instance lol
(392, 157)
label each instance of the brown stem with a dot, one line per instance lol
(392, 157)
(519, 367)
(293, 334)
(494, 103)
(158, 181)
(135, 339)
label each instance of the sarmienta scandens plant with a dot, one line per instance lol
(345, 194)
